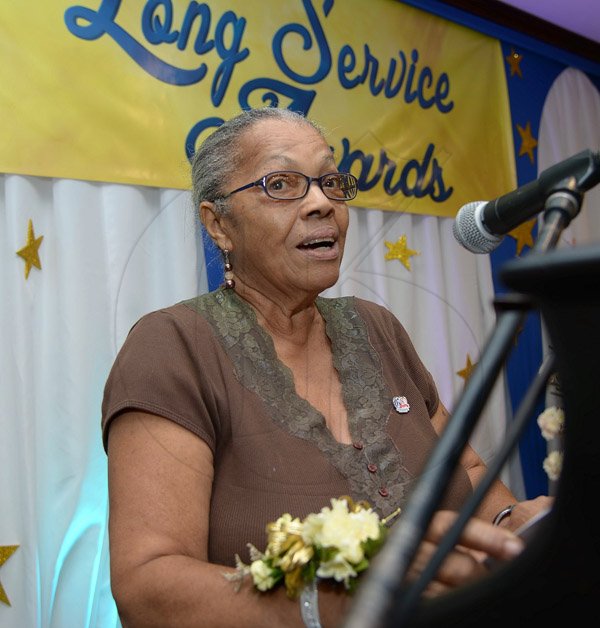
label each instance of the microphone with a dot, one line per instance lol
(481, 225)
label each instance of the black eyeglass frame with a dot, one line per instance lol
(262, 183)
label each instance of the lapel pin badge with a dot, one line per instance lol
(401, 405)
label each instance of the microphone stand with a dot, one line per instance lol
(410, 597)
(373, 606)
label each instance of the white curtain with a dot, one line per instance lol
(570, 123)
(109, 253)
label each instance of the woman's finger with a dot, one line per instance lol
(477, 535)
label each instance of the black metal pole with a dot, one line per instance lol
(410, 597)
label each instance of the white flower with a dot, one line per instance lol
(338, 527)
(338, 568)
(262, 575)
(366, 523)
(551, 422)
(553, 464)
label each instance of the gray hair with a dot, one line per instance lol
(219, 154)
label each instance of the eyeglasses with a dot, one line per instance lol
(288, 185)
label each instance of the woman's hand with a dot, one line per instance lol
(478, 541)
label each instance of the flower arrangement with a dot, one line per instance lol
(553, 464)
(337, 543)
(551, 422)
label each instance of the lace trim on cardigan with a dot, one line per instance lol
(365, 394)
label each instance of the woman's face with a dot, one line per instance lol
(281, 247)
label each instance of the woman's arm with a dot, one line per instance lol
(499, 497)
(160, 482)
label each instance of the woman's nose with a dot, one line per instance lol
(315, 200)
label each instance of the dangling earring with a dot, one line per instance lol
(229, 281)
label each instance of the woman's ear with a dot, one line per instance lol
(214, 224)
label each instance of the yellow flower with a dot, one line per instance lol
(294, 583)
(297, 555)
(282, 533)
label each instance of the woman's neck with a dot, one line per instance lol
(285, 316)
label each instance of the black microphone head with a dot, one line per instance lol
(469, 231)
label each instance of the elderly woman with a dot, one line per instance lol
(262, 398)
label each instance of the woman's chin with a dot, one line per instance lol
(316, 283)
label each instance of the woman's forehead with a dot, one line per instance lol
(285, 140)
(272, 132)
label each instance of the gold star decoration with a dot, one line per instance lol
(398, 250)
(528, 142)
(523, 235)
(468, 370)
(514, 60)
(6, 551)
(30, 251)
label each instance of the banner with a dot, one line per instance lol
(105, 90)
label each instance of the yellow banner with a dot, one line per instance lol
(109, 90)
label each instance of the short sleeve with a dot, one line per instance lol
(164, 367)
